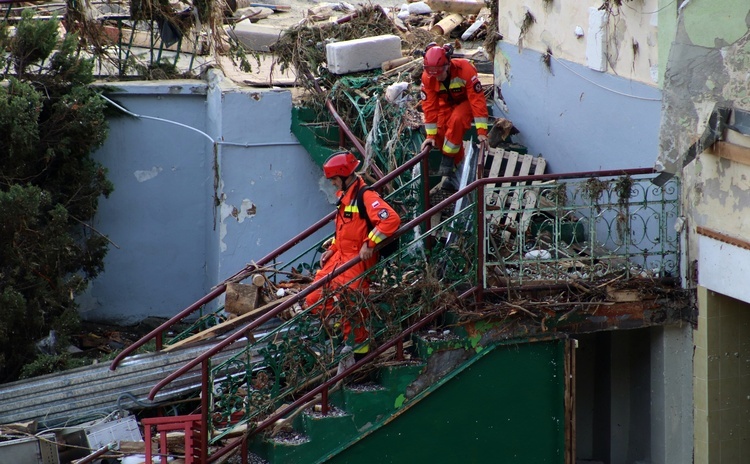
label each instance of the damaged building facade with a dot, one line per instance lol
(636, 83)
(209, 176)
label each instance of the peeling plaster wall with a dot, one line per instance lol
(270, 192)
(708, 65)
(172, 244)
(578, 119)
(719, 195)
(631, 31)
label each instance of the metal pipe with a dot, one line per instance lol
(350, 135)
(204, 410)
(100, 452)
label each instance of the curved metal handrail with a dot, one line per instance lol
(250, 268)
(241, 333)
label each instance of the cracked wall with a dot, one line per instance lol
(708, 65)
(190, 208)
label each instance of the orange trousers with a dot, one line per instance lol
(453, 122)
(339, 295)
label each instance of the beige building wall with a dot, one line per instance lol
(630, 43)
(722, 380)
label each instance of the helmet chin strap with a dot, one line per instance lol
(345, 187)
(343, 182)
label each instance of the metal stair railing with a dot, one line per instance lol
(455, 270)
(319, 394)
(157, 334)
(302, 335)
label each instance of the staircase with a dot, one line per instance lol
(467, 392)
(355, 410)
(452, 402)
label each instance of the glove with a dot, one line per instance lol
(427, 141)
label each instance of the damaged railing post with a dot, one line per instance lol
(425, 167)
(478, 296)
(480, 242)
(205, 377)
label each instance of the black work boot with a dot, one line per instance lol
(446, 166)
(451, 183)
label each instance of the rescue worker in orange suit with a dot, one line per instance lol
(352, 238)
(452, 98)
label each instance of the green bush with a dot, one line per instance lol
(50, 187)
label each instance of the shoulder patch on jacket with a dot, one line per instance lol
(422, 95)
(375, 203)
(383, 214)
(477, 84)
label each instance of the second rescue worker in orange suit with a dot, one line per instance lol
(452, 98)
(352, 238)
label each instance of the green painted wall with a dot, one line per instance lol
(707, 65)
(709, 23)
(505, 408)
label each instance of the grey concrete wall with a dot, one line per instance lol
(576, 118)
(671, 394)
(634, 396)
(171, 241)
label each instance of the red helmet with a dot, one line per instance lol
(436, 57)
(341, 164)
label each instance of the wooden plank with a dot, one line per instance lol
(456, 6)
(497, 161)
(730, 151)
(226, 325)
(510, 169)
(515, 201)
(531, 197)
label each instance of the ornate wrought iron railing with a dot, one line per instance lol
(580, 229)
(588, 219)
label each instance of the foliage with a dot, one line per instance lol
(48, 364)
(303, 47)
(50, 187)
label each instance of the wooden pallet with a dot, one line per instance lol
(513, 164)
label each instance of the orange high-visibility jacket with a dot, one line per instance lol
(352, 231)
(463, 84)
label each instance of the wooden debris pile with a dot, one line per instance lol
(245, 302)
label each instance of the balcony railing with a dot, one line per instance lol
(586, 228)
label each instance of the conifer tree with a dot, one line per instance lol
(51, 121)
